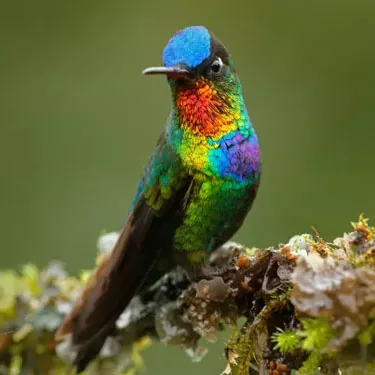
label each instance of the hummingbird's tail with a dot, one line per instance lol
(113, 284)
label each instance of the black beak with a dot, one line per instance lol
(172, 71)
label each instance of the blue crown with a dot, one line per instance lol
(189, 46)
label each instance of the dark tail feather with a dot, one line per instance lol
(111, 287)
(87, 352)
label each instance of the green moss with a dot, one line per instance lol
(313, 338)
(316, 334)
(286, 341)
(367, 335)
(253, 336)
(311, 365)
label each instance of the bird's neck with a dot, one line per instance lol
(208, 110)
(211, 131)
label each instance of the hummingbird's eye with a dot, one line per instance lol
(216, 65)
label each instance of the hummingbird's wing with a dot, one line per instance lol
(157, 211)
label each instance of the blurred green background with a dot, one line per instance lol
(78, 120)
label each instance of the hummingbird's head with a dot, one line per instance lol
(194, 53)
(202, 77)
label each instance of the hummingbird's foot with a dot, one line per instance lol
(208, 270)
(221, 260)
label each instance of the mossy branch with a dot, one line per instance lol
(308, 305)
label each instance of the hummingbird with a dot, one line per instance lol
(195, 192)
